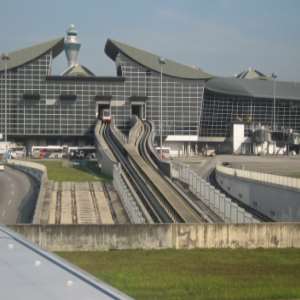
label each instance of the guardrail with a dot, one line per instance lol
(289, 182)
(127, 199)
(223, 206)
(39, 172)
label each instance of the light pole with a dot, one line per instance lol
(274, 76)
(161, 61)
(5, 58)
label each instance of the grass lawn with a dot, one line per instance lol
(196, 274)
(65, 171)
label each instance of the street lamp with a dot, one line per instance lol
(5, 58)
(274, 76)
(161, 61)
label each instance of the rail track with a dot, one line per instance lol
(164, 204)
(156, 211)
(172, 195)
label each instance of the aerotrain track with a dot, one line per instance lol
(164, 204)
(173, 198)
(142, 188)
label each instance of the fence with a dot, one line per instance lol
(223, 206)
(134, 213)
(289, 182)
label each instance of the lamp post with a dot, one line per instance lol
(161, 61)
(274, 76)
(5, 58)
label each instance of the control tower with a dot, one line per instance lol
(72, 46)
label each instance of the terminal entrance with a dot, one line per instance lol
(100, 107)
(138, 109)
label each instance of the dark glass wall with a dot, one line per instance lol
(219, 111)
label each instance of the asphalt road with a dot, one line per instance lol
(18, 193)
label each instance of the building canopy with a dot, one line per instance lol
(151, 61)
(21, 57)
(255, 88)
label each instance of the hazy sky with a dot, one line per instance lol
(223, 37)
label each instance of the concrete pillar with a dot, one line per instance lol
(222, 205)
(212, 198)
(217, 201)
(206, 193)
(227, 209)
(241, 215)
(234, 213)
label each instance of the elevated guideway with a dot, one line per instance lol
(164, 203)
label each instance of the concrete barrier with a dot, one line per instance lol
(277, 201)
(135, 130)
(161, 236)
(39, 172)
(283, 181)
(105, 157)
(163, 165)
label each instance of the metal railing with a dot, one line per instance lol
(134, 213)
(223, 206)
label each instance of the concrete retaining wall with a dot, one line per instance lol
(104, 156)
(277, 201)
(163, 165)
(39, 172)
(135, 130)
(162, 236)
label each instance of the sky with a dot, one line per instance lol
(222, 37)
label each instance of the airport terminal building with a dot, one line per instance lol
(43, 108)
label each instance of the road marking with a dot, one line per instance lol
(3, 213)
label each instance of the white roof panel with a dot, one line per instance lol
(29, 272)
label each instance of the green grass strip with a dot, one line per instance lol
(197, 274)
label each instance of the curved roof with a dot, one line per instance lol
(255, 88)
(26, 55)
(78, 71)
(151, 61)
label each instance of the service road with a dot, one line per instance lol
(18, 193)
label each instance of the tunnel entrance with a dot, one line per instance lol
(138, 109)
(100, 106)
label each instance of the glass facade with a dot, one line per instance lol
(43, 106)
(219, 111)
(40, 105)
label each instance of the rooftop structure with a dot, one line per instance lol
(252, 73)
(72, 46)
